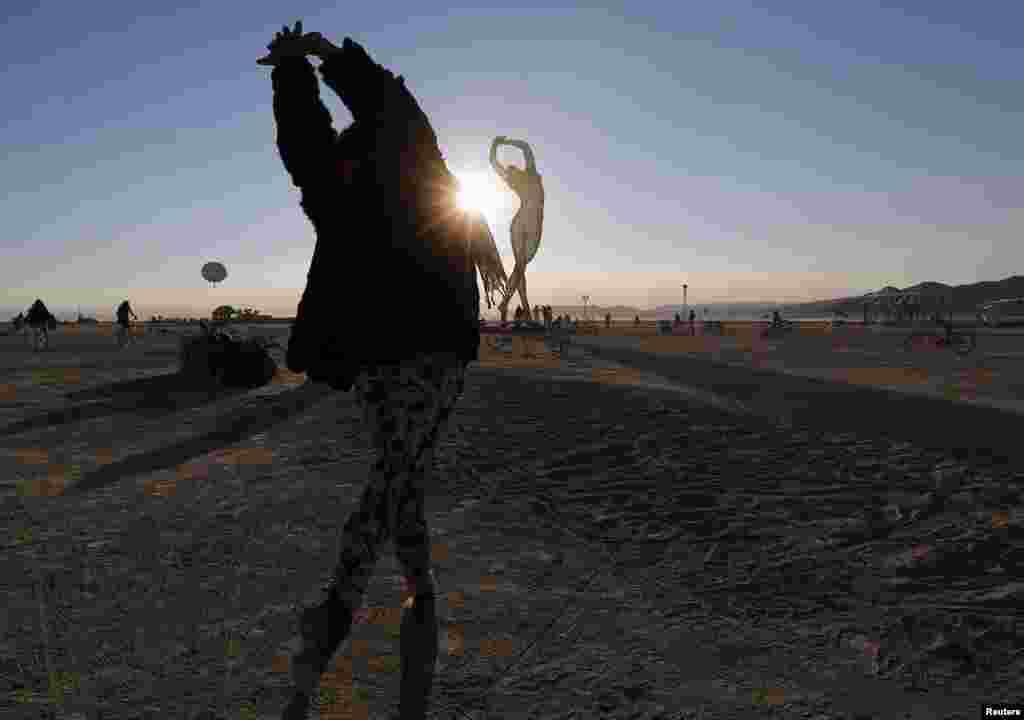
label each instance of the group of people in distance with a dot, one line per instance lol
(541, 313)
(678, 322)
(39, 321)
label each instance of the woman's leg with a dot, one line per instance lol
(405, 407)
(419, 630)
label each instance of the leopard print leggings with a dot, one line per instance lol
(406, 407)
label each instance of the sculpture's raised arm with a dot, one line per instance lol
(498, 167)
(531, 165)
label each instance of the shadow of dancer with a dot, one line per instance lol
(382, 200)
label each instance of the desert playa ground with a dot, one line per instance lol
(643, 527)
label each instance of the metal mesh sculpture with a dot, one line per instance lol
(528, 221)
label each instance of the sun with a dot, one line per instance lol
(479, 191)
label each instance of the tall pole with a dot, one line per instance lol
(685, 286)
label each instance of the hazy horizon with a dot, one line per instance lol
(720, 311)
(65, 313)
(753, 155)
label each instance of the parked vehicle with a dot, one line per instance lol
(961, 342)
(1002, 312)
(778, 330)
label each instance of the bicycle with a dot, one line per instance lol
(962, 343)
(124, 336)
(777, 331)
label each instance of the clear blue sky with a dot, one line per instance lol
(808, 150)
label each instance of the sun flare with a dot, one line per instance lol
(481, 192)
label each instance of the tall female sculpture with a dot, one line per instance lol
(528, 221)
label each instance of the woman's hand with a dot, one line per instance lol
(294, 43)
(320, 46)
(285, 44)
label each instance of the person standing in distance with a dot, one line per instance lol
(124, 311)
(41, 321)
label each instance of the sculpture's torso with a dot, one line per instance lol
(528, 186)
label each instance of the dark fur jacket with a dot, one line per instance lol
(391, 245)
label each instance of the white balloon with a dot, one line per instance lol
(214, 272)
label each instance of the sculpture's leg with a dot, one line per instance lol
(517, 279)
(512, 288)
(519, 248)
(521, 242)
(522, 292)
(503, 305)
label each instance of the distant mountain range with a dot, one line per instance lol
(619, 312)
(966, 298)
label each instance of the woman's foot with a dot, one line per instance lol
(323, 628)
(298, 708)
(419, 649)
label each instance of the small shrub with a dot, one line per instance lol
(216, 354)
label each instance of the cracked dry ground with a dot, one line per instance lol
(605, 552)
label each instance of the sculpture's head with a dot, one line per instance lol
(516, 173)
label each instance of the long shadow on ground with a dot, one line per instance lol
(150, 397)
(964, 430)
(258, 415)
(147, 359)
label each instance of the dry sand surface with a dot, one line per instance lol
(993, 375)
(608, 545)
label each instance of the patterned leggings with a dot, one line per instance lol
(405, 406)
